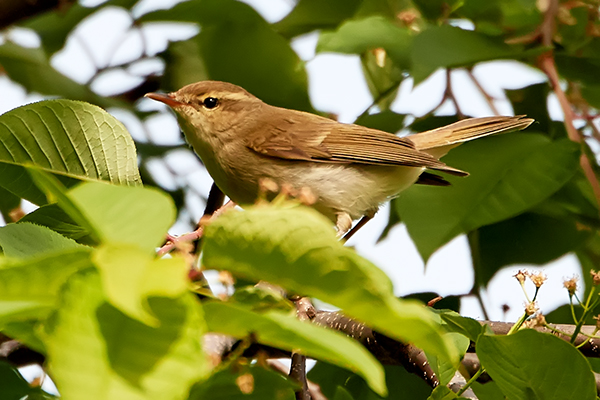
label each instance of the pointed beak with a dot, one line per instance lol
(164, 98)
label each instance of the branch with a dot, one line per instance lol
(547, 64)
(305, 312)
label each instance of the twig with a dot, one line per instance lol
(449, 94)
(305, 312)
(489, 99)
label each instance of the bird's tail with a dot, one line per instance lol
(438, 141)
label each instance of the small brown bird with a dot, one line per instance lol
(351, 170)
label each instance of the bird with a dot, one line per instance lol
(349, 169)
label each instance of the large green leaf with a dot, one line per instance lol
(286, 332)
(29, 288)
(130, 276)
(26, 240)
(125, 215)
(533, 365)
(450, 47)
(96, 352)
(237, 45)
(70, 138)
(296, 247)
(358, 36)
(113, 214)
(509, 174)
(309, 15)
(31, 68)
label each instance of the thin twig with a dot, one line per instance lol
(449, 94)
(489, 99)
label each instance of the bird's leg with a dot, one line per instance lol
(359, 224)
(173, 241)
(343, 223)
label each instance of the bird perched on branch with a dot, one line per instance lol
(351, 170)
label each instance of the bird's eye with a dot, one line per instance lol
(210, 102)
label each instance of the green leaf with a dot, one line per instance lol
(127, 215)
(114, 214)
(450, 47)
(442, 392)
(29, 288)
(530, 101)
(358, 36)
(260, 299)
(295, 247)
(229, 34)
(400, 383)
(591, 93)
(130, 276)
(53, 217)
(55, 191)
(509, 174)
(310, 15)
(14, 386)
(223, 385)
(443, 369)
(531, 364)
(26, 240)
(387, 121)
(31, 68)
(26, 331)
(578, 69)
(463, 325)
(286, 332)
(96, 352)
(65, 137)
(8, 202)
(528, 238)
(487, 391)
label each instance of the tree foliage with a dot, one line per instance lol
(81, 284)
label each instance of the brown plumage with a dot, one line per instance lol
(350, 169)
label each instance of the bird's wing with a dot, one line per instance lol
(301, 136)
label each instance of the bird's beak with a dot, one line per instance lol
(164, 98)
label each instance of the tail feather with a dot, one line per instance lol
(465, 130)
